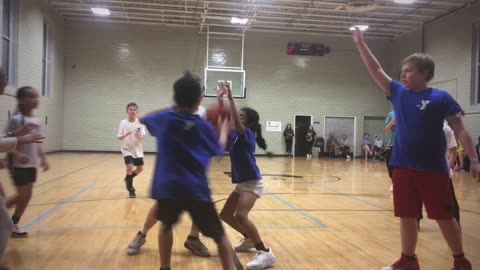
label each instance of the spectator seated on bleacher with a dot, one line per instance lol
(332, 145)
(320, 144)
(366, 146)
(344, 147)
(378, 147)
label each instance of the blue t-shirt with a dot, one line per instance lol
(185, 144)
(242, 149)
(420, 141)
(391, 135)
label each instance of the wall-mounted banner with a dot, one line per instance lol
(274, 126)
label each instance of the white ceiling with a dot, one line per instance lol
(333, 17)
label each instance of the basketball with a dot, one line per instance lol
(214, 112)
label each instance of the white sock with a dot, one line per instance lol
(143, 231)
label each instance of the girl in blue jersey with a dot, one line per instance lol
(246, 133)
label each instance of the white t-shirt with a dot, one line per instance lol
(451, 142)
(32, 151)
(131, 146)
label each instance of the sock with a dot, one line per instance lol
(142, 234)
(411, 258)
(129, 180)
(459, 256)
(134, 174)
(15, 220)
(142, 231)
(192, 238)
(261, 246)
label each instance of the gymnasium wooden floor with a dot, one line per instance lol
(316, 214)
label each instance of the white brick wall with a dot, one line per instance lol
(449, 41)
(30, 44)
(101, 78)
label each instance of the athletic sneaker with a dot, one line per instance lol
(262, 260)
(462, 264)
(197, 247)
(18, 233)
(137, 242)
(244, 246)
(404, 264)
(131, 193)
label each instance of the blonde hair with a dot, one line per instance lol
(423, 63)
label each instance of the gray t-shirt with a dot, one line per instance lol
(30, 150)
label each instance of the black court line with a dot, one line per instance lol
(229, 174)
(470, 211)
(236, 261)
(60, 177)
(299, 177)
(224, 199)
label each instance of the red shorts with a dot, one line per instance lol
(411, 188)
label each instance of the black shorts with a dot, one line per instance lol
(203, 214)
(23, 176)
(134, 161)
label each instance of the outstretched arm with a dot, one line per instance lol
(373, 66)
(233, 110)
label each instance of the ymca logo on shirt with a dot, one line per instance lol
(188, 126)
(424, 104)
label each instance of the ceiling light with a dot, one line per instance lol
(100, 11)
(361, 27)
(403, 1)
(236, 20)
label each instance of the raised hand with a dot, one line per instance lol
(227, 90)
(220, 90)
(357, 35)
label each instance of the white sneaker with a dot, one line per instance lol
(349, 157)
(134, 246)
(262, 260)
(244, 246)
(18, 233)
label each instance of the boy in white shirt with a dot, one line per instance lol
(131, 133)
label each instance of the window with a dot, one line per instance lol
(47, 59)
(9, 40)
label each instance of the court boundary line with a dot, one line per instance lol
(56, 207)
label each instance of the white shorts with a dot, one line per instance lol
(255, 186)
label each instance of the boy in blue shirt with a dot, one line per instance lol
(420, 170)
(185, 144)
